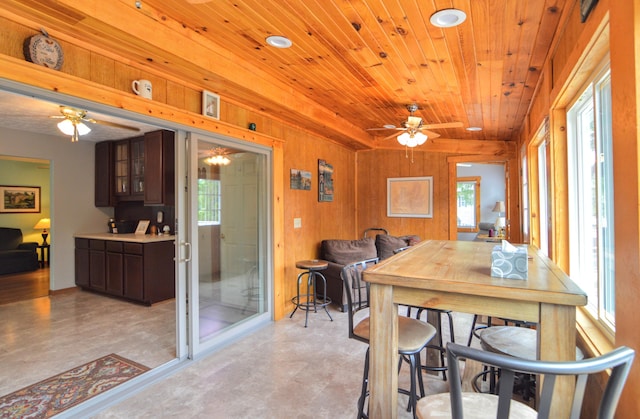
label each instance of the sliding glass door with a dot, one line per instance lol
(229, 270)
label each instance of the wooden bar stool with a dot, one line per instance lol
(311, 300)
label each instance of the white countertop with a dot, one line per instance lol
(131, 237)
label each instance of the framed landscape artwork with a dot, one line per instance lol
(410, 197)
(300, 179)
(20, 199)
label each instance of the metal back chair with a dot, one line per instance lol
(618, 360)
(413, 334)
(357, 298)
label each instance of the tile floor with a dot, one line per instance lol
(281, 371)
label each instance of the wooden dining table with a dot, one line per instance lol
(456, 275)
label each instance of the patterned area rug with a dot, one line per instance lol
(60, 392)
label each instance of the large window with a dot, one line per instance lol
(590, 163)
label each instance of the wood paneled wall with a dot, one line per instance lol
(374, 167)
(300, 149)
(613, 27)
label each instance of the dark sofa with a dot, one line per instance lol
(16, 256)
(343, 252)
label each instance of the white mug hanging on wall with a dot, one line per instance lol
(142, 88)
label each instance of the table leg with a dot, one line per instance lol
(383, 361)
(557, 342)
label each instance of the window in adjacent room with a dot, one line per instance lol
(208, 201)
(468, 199)
(590, 166)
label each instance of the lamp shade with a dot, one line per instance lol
(43, 224)
(499, 207)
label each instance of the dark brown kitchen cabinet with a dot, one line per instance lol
(142, 272)
(82, 262)
(136, 169)
(104, 196)
(97, 264)
(114, 265)
(159, 168)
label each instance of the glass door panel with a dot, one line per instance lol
(229, 285)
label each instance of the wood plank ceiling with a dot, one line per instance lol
(361, 61)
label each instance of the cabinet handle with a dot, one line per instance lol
(187, 246)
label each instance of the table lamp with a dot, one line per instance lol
(501, 222)
(44, 224)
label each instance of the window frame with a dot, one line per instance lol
(589, 98)
(476, 183)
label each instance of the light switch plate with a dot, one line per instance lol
(297, 223)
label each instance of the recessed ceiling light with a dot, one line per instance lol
(474, 129)
(389, 126)
(448, 18)
(279, 41)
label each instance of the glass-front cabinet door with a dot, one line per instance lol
(129, 167)
(122, 167)
(137, 166)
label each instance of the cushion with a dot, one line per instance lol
(345, 252)
(474, 406)
(486, 226)
(386, 244)
(10, 238)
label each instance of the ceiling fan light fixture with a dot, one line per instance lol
(66, 127)
(473, 129)
(421, 138)
(218, 157)
(448, 18)
(82, 128)
(279, 41)
(404, 138)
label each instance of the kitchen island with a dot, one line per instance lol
(135, 267)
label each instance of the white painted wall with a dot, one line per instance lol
(72, 194)
(492, 187)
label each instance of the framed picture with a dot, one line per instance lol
(210, 104)
(300, 179)
(585, 8)
(20, 199)
(142, 227)
(325, 181)
(410, 197)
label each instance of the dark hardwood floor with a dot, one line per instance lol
(24, 285)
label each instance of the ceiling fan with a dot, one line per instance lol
(73, 122)
(415, 131)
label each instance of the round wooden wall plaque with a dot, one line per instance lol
(43, 50)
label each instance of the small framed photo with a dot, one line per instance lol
(210, 104)
(20, 199)
(142, 227)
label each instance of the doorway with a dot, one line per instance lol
(25, 285)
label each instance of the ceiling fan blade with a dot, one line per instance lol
(111, 124)
(390, 136)
(430, 134)
(444, 125)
